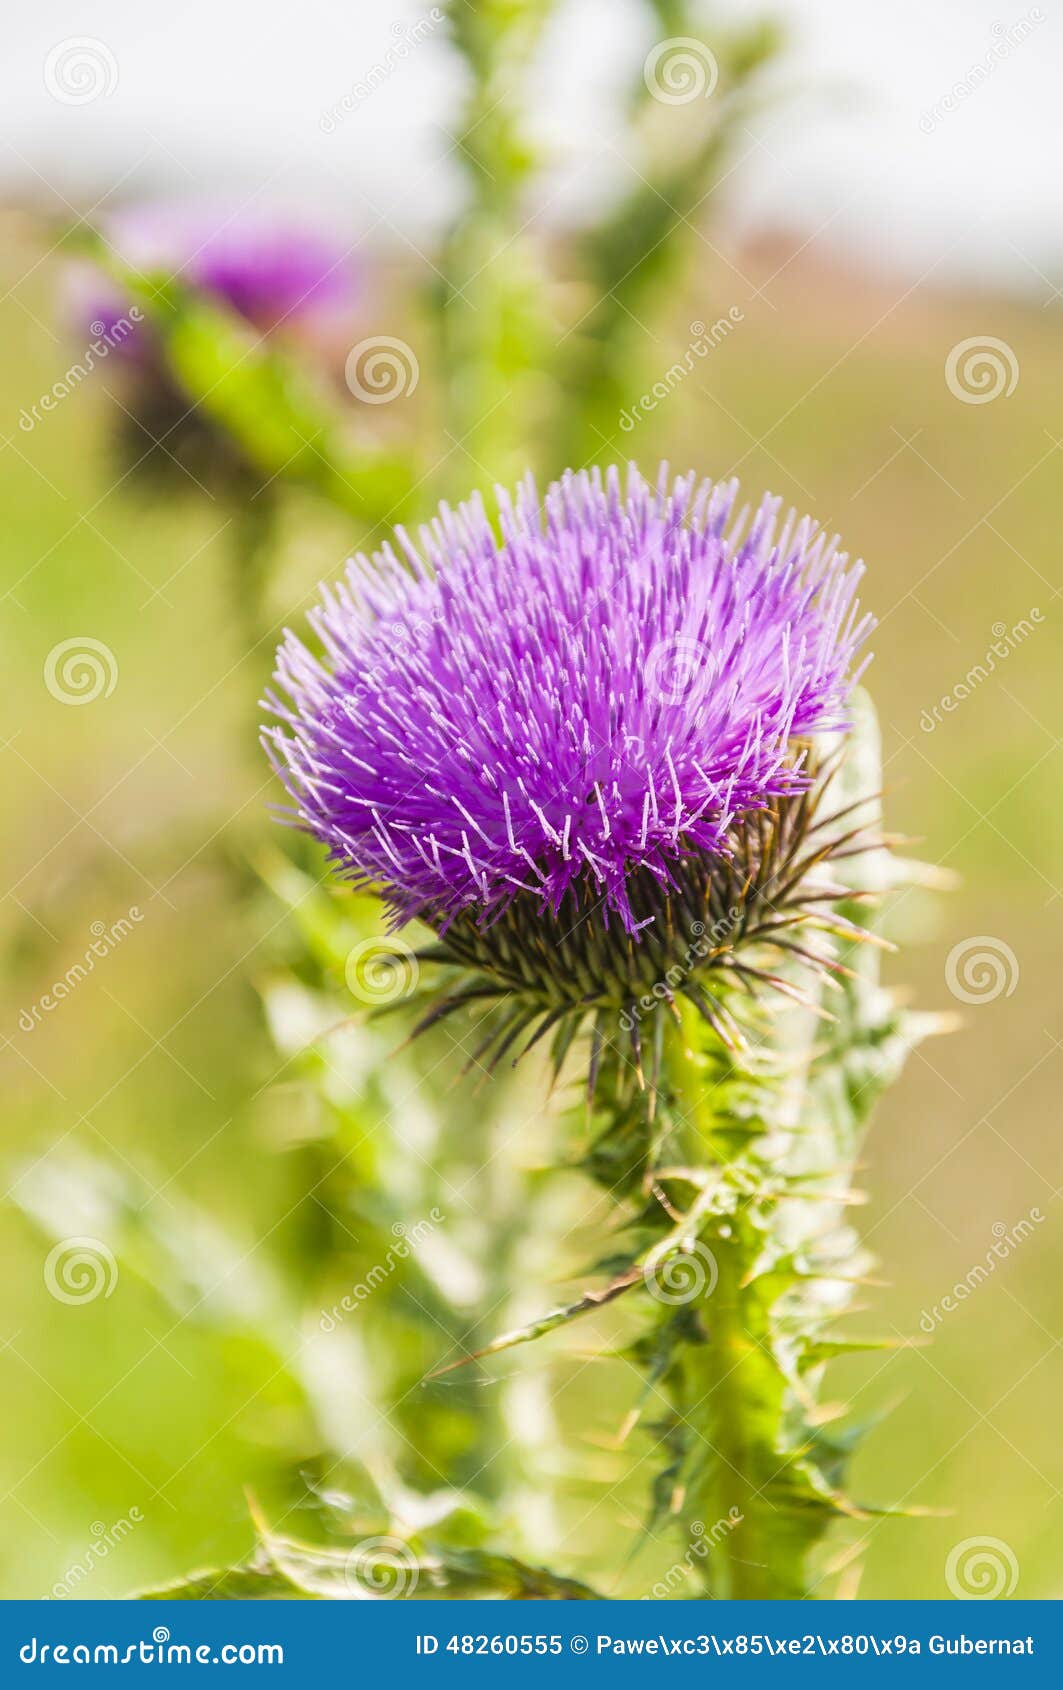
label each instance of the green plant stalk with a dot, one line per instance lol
(252, 549)
(729, 1385)
(490, 303)
(633, 259)
(755, 1268)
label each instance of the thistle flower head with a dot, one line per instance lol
(270, 270)
(278, 275)
(568, 711)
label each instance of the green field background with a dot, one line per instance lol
(831, 391)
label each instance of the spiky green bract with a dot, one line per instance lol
(721, 923)
(735, 1191)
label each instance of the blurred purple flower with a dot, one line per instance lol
(603, 691)
(273, 271)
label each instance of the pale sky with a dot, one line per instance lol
(229, 96)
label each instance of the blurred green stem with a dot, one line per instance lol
(253, 541)
(493, 320)
(630, 261)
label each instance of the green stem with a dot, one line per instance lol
(738, 1194)
(727, 1386)
(492, 312)
(738, 1462)
(253, 537)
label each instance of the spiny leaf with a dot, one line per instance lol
(821, 1350)
(549, 1322)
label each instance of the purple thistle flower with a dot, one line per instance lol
(271, 272)
(280, 275)
(269, 269)
(598, 696)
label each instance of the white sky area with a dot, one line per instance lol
(225, 97)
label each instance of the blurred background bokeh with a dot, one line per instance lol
(836, 275)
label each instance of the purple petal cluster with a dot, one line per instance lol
(599, 688)
(267, 267)
(270, 272)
